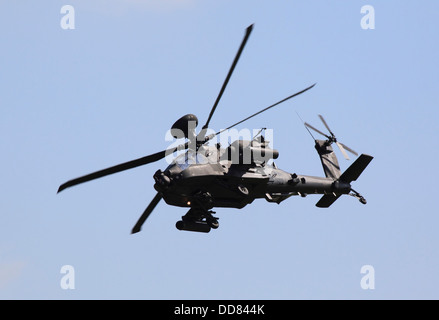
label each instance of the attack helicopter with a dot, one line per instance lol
(207, 176)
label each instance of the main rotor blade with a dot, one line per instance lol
(326, 125)
(316, 130)
(235, 61)
(121, 167)
(273, 105)
(146, 213)
(349, 149)
(340, 146)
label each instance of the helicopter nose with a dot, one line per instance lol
(162, 181)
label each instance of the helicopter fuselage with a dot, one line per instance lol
(206, 176)
(224, 183)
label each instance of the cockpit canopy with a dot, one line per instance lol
(189, 158)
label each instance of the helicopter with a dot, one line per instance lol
(207, 176)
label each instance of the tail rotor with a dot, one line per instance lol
(332, 139)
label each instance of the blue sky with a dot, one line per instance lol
(75, 101)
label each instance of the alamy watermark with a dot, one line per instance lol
(244, 146)
(68, 20)
(368, 20)
(67, 281)
(368, 280)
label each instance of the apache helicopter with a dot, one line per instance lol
(206, 176)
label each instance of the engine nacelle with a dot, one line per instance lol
(250, 152)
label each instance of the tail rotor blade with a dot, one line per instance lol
(340, 146)
(326, 125)
(331, 139)
(137, 227)
(343, 148)
(317, 130)
(349, 149)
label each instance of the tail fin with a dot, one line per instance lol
(328, 159)
(351, 174)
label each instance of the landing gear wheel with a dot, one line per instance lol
(213, 222)
(363, 201)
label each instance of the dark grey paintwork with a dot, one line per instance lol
(233, 184)
(205, 177)
(223, 181)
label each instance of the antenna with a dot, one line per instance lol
(305, 126)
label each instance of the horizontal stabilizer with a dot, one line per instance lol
(353, 172)
(327, 200)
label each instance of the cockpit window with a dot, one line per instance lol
(189, 158)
